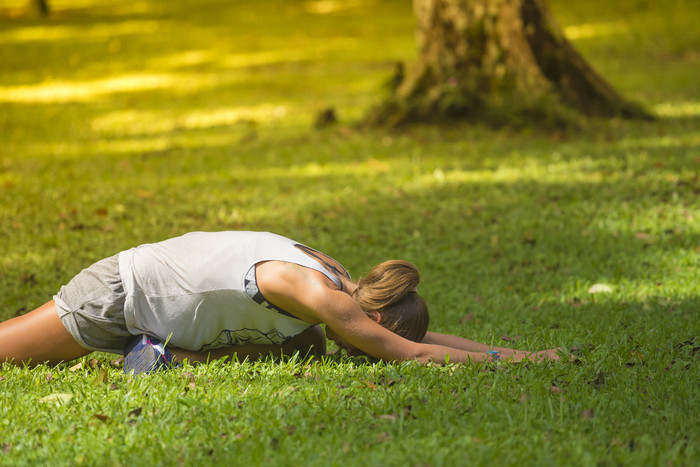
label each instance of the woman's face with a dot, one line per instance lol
(349, 349)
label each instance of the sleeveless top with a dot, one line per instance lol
(199, 292)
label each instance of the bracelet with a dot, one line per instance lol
(494, 354)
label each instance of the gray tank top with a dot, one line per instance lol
(192, 289)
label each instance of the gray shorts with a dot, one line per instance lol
(91, 307)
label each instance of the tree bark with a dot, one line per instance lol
(479, 55)
(38, 8)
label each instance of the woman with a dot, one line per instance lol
(212, 294)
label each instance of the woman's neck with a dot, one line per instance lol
(348, 285)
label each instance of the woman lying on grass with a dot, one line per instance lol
(250, 294)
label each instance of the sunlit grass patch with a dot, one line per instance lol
(679, 110)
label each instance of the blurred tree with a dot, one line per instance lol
(497, 60)
(38, 7)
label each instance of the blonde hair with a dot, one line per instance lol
(390, 290)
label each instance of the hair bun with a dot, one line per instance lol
(386, 284)
(390, 288)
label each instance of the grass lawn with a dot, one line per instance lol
(128, 122)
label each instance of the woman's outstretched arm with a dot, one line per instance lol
(321, 303)
(461, 343)
(357, 329)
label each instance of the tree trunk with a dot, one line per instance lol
(481, 58)
(38, 8)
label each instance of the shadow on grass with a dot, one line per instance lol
(514, 239)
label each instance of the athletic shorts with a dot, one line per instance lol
(91, 307)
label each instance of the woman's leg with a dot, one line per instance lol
(310, 342)
(38, 337)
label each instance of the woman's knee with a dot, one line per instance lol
(310, 342)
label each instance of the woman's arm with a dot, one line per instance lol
(306, 294)
(473, 346)
(356, 328)
(342, 314)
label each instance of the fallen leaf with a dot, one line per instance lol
(136, 412)
(510, 339)
(587, 414)
(600, 288)
(599, 380)
(57, 398)
(529, 239)
(101, 377)
(76, 367)
(188, 375)
(29, 278)
(391, 417)
(383, 437)
(283, 392)
(101, 417)
(118, 363)
(465, 318)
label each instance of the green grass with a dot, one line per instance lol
(124, 123)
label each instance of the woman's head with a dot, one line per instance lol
(390, 290)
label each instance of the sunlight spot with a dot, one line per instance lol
(586, 31)
(134, 146)
(266, 58)
(314, 169)
(271, 57)
(97, 30)
(378, 166)
(84, 90)
(133, 122)
(142, 122)
(658, 142)
(324, 7)
(229, 116)
(681, 109)
(183, 59)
